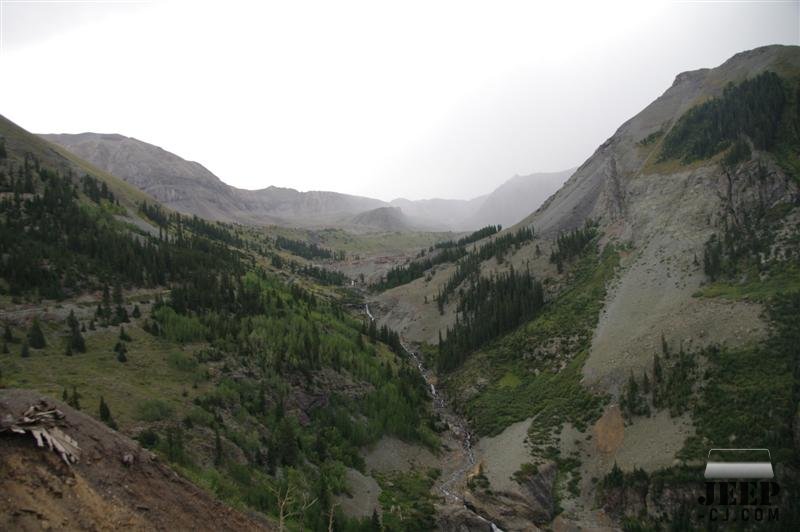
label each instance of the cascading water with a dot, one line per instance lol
(456, 425)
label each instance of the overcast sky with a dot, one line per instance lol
(384, 99)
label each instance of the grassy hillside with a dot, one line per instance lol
(239, 368)
(19, 142)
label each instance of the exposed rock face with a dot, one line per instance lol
(660, 214)
(602, 186)
(666, 212)
(519, 509)
(456, 518)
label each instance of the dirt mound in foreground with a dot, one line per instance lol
(38, 490)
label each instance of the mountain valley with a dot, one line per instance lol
(560, 354)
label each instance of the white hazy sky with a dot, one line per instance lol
(384, 99)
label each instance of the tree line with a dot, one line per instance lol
(489, 308)
(481, 233)
(470, 265)
(307, 250)
(571, 244)
(400, 275)
(754, 108)
(56, 245)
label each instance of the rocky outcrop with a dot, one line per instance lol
(531, 505)
(603, 186)
(457, 518)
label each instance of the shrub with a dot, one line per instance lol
(153, 410)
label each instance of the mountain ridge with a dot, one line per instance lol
(190, 188)
(652, 241)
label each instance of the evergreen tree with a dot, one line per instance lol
(175, 449)
(122, 351)
(105, 414)
(118, 299)
(8, 336)
(284, 448)
(615, 479)
(123, 336)
(136, 312)
(121, 315)
(753, 109)
(25, 351)
(36, 336)
(657, 370)
(75, 399)
(217, 447)
(75, 343)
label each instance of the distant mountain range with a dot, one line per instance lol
(189, 187)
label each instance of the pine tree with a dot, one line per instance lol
(121, 350)
(104, 308)
(65, 396)
(657, 370)
(5, 348)
(658, 377)
(136, 312)
(121, 315)
(76, 343)
(105, 414)
(75, 399)
(123, 336)
(217, 447)
(25, 351)
(36, 336)
(631, 396)
(118, 300)
(8, 337)
(615, 479)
